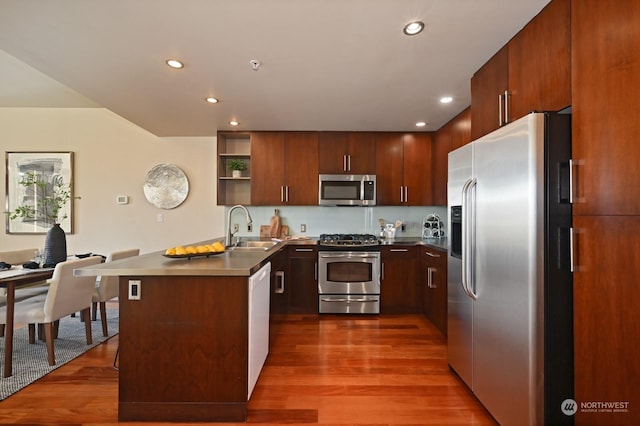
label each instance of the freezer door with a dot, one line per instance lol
(460, 306)
(507, 165)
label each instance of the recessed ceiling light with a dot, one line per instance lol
(413, 28)
(421, 124)
(174, 63)
(233, 123)
(446, 99)
(212, 100)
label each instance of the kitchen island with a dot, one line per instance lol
(184, 332)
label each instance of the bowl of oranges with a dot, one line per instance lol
(187, 252)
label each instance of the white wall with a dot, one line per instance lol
(111, 158)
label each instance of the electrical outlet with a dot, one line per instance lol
(403, 227)
(249, 227)
(303, 228)
(236, 228)
(135, 287)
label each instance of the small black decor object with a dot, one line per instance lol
(4, 265)
(55, 246)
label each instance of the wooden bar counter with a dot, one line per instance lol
(183, 352)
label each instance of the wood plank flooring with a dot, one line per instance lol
(329, 370)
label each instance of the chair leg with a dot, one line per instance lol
(86, 314)
(103, 318)
(32, 333)
(48, 336)
(94, 308)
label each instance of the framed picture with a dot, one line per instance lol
(34, 182)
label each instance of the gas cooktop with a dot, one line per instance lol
(348, 240)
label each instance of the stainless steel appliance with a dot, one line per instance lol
(349, 274)
(510, 331)
(347, 190)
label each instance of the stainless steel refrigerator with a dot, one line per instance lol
(510, 318)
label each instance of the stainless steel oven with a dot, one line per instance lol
(349, 276)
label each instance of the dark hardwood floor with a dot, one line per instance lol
(329, 370)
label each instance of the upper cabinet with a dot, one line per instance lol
(449, 137)
(346, 152)
(234, 147)
(403, 169)
(606, 82)
(284, 168)
(531, 73)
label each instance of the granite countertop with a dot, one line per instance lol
(229, 263)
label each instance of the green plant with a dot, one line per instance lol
(49, 198)
(236, 164)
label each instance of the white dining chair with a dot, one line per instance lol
(107, 287)
(66, 295)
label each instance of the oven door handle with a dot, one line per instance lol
(348, 256)
(342, 300)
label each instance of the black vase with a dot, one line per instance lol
(55, 246)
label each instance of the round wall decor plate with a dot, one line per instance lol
(166, 186)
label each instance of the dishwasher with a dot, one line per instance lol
(259, 291)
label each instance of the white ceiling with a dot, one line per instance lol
(325, 64)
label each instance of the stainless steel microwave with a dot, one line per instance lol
(347, 190)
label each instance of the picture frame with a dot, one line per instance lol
(50, 167)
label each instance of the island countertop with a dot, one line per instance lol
(229, 263)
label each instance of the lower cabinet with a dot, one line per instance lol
(398, 290)
(279, 271)
(302, 280)
(433, 280)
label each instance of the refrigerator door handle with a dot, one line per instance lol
(468, 237)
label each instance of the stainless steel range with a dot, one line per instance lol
(349, 274)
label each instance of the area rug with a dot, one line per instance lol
(30, 361)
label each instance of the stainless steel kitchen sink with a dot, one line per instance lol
(254, 245)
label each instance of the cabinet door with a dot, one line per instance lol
(303, 280)
(361, 153)
(605, 127)
(301, 168)
(398, 289)
(441, 148)
(606, 326)
(279, 271)
(433, 273)
(487, 84)
(332, 152)
(540, 62)
(389, 168)
(417, 169)
(267, 168)
(460, 130)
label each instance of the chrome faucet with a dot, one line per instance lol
(229, 235)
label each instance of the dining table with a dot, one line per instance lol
(12, 279)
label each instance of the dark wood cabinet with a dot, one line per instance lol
(606, 89)
(279, 300)
(449, 137)
(398, 289)
(532, 72)
(284, 168)
(606, 326)
(433, 281)
(346, 152)
(403, 163)
(302, 281)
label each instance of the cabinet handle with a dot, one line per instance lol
(349, 163)
(279, 282)
(500, 113)
(430, 272)
(281, 193)
(428, 253)
(344, 163)
(406, 194)
(399, 250)
(304, 249)
(506, 106)
(572, 253)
